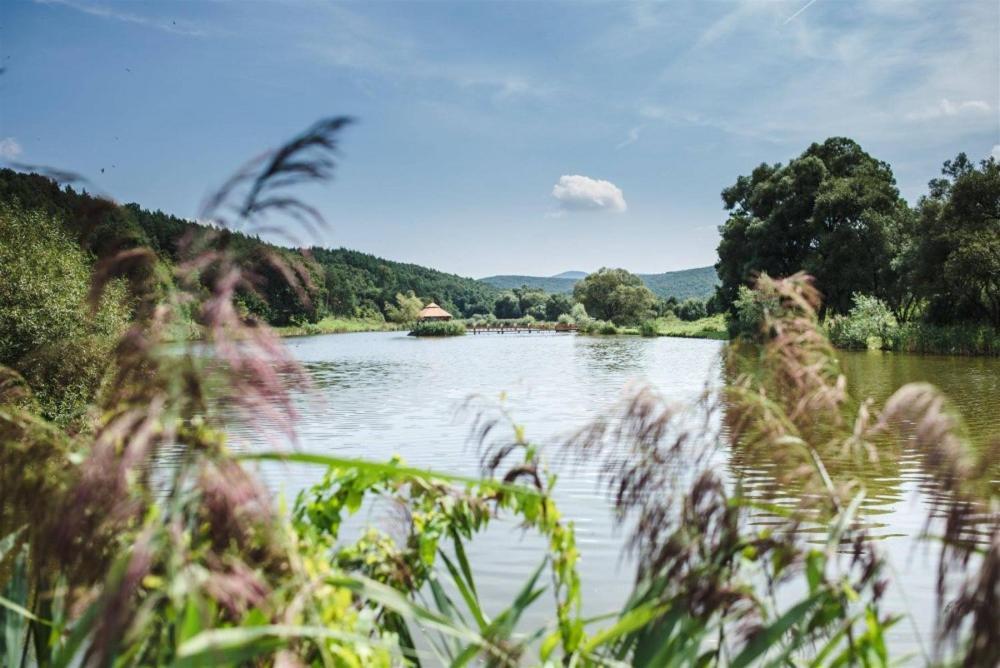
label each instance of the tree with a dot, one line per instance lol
(955, 259)
(834, 211)
(530, 299)
(407, 308)
(692, 309)
(615, 295)
(507, 306)
(556, 306)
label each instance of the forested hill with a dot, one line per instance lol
(342, 282)
(552, 284)
(699, 283)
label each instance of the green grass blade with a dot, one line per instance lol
(773, 634)
(384, 468)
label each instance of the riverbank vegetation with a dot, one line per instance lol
(101, 564)
(835, 212)
(334, 325)
(438, 328)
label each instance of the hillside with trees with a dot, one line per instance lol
(338, 282)
(697, 283)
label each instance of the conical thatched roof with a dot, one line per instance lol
(434, 312)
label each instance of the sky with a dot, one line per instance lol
(497, 138)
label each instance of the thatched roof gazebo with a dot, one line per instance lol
(433, 312)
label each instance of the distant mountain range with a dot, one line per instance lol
(699, 282)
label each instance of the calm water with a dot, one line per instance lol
(380, 394)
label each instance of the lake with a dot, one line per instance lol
(380, 394)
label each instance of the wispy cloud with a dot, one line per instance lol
(102, 11)
(9, 148)
(354, 42)
(946, 108)
(582, 193)
(752, 73)
(633, 137)
(681, 117)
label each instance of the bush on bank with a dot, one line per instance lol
(871, 325)
(438, 328)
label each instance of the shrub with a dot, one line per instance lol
(692, 309)
(648, 328)
(438, 328)
(48, 330)
(870, 324)
(606, 328)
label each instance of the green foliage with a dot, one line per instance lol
(615, 295)
(579, 314)
(48, 330)
(334, 325)
(696, 283)
(747, 319)
(556, 306)
(286, 286)
(357, 278)
(406, 310)
(699, 283)
(549, 284)
(507, 306)
(438, 328)
(959, 339)
(954, 261)
(834, 212)
(691, 309)
(870, 324)
(709, 327)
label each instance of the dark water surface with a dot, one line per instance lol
(382, 394)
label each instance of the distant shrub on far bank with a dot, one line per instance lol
(438, 328)
(597, 327)
(870, 324)
(918, 337)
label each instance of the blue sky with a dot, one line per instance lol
(498, 137)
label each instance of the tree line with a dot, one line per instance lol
(836, 213)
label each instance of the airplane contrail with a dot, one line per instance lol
(804, 8)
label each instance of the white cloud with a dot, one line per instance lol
(9, 148)
(946, 109)
(173, 26)
(995, 153)
(582, 193)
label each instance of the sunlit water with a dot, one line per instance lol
(382, 394)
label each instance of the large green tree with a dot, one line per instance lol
(955, 256)
(834, 211)
(615, 295)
